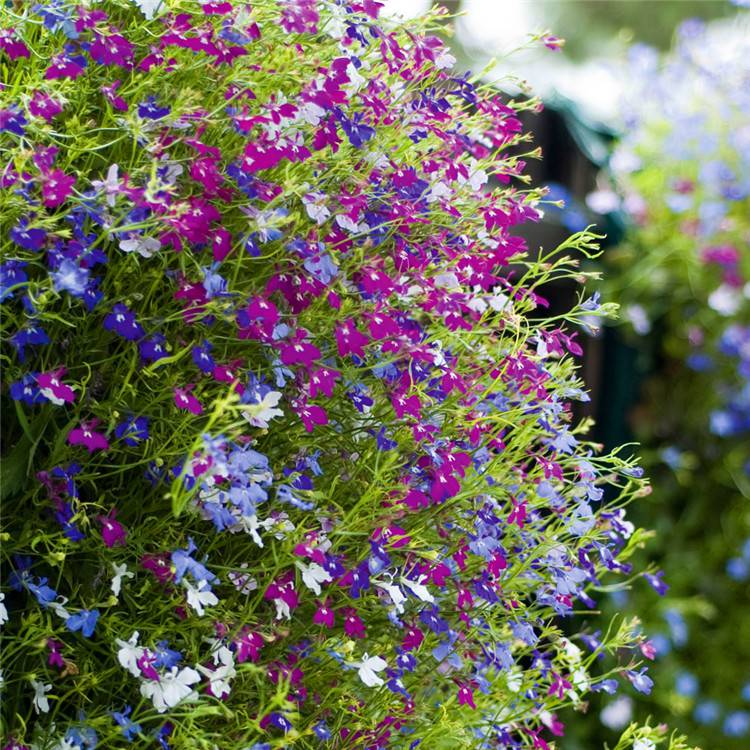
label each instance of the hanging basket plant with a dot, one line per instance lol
(289, 458)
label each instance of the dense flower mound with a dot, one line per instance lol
(290, 455)
(683, 277)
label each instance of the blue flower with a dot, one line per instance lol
(85, 621)
(149, 109)
(122, 322)
(129, 728)
(640, 680)
(70, 277)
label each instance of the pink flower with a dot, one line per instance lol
(185, 400)
(353, 625)
(248, 646)
(553, 42)
(413, 639)
(12, 45)
(44, 106)
(112, 531)
(518, 514)
(54, 659)
(63, 67)
(323, 380)
(383, 326)
(466, 696)
(54, 389)
(87, 437)
(324, 615)
(222, 243)
(443, 486)
(311, 414)
(114, 49)
(299, 352)
(110, 95)
(56, 187)
(350, 340)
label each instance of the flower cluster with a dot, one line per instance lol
(682, 275)
(293, 460)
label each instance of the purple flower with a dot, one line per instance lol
(640, 680)
(85, 621)
(152, 348)
(114, 49)
(122, 322)
(11, 274)
(27, 390)
(150, 110)
(12, 120)
(133, 430)
(30, 239)
(357, 133)
(656, 582)
(433, 621)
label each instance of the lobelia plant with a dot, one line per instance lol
(289, 452)
(683, 278)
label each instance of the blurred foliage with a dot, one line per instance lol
(587, 24)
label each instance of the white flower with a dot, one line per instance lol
(310, 113)
(259, 414)
(41, 704)
(149, 7)
(368, 669)
(58, 607)
(129, 653)
(144, 246)
(224, 672)
(514, 679)
(315, 207)
(3, 610)
(419, 589)
(243, 582)
(171, 689)
(444, 60)
(618, 713)
(644, 745)
(110, 184)
(313, 575)
(121, 571)
(200, 596)
(397, 596)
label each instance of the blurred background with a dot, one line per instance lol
(645, 134)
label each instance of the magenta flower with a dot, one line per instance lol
(412, 639)
(248, 646)
(310, 414)
(86, 436)
(221, 244)
(111, 50)
(44, 106)
(12, 45)
(324, 614)
(113, 533)
(353, 625)
(466, 696)
(55, 659)
(350, 340)
(54, 389)
(110, 94)
(323, 380)
(299, 353)
(63, 67)
(56, 187)
(185, 400)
